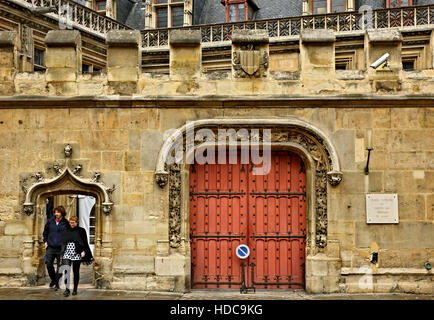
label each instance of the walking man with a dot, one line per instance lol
(52, 235)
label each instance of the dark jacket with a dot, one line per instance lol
(79, 237)
(53, 232)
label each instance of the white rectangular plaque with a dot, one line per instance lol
(382, 208)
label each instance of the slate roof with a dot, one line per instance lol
(132, 13)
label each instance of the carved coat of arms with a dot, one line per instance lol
(250, 62)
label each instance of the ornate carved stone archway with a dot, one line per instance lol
(306, 138)
(64, 177)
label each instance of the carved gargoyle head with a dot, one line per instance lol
(334, 178)
(161, 179)
(106, 208)
(28, 209)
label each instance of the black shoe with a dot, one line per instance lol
(56, 287)
(52, 284)
(66, 293)
(74, 292)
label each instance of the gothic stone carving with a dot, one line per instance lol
(31, 182)
(250, 62)
(161, 178)
(316, 148)
(334, 177)
(67, 150)
(319, 155)
(96, 177)
(175, 205)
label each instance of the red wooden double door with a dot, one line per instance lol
(229, 206)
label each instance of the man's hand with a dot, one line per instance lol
(83, 254)
(45, 245)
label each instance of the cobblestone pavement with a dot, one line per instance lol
(86, 292)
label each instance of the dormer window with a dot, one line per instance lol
(398, 3)
(326, 6)
(101, 5)
(319, 6)
(239, 10)
(169, 13)
(338, 6)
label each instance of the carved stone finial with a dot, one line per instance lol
(334, 178)
(67, 150)
(77, 169)
(39, 176)
(96, 177)
(161, 178)
(57, 169)
(110, 190)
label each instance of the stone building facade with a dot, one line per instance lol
(110, 135)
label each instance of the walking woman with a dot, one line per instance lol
(75, 250)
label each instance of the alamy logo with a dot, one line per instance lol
(366, 281)
(65, 271)
(66, 16)
(211, 147)
(367, 20)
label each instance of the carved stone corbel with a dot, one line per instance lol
(28, 208)
(107, 207)
(161, 178)
(334, 178)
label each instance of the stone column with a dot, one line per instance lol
(185, 55)
(149, 23)
(317, 56)
(378, 43)
(123, 60)
(188, 12)
(8, 62)
(63, 60)
(351, 5)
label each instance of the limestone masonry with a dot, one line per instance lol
(115, 122)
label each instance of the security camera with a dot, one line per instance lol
(381, 61)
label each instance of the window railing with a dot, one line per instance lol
(71, 15)
(283, 27)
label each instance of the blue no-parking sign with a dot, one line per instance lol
(242, 251)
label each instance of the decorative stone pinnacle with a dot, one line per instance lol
(67, 150)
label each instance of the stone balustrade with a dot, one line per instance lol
(251, 73)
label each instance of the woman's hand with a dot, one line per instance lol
(83, 254)
(45, 245)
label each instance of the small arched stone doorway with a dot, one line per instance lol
(67, 181)
(68, 199)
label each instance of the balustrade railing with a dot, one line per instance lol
(283, 27)
(71, 15)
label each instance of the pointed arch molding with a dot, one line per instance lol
(42, 184)
(316, 144)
